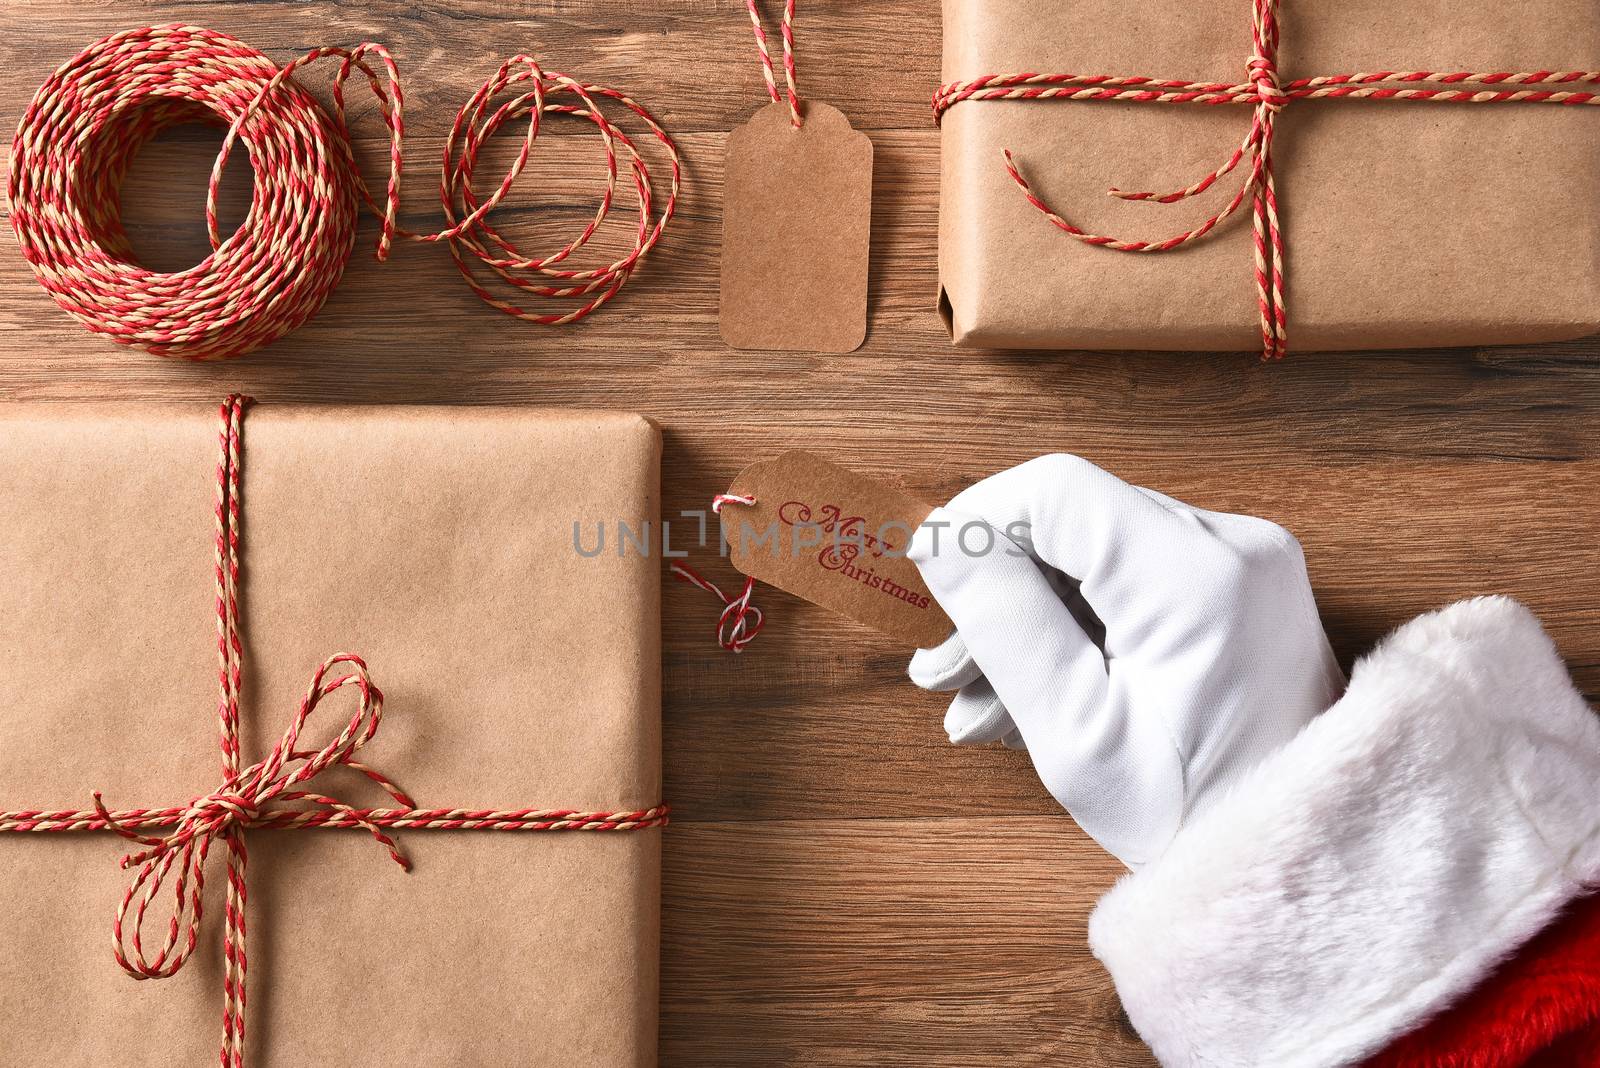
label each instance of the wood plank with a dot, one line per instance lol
(692, 62)
(944, 943)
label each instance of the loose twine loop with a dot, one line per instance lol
(740, 620)
(1268, 97)
(85, 125)
(267, 794)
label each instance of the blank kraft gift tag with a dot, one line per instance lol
(837, 539)
(796, 223)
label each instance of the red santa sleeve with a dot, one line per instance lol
(1387, 864)
(1540, 1008)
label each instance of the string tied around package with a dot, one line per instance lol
(274, 793)
(1268, 98)
(86, 123)
(1263, 71)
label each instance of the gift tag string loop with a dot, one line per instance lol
(740, 620)
(787, 30)
(1264, 92)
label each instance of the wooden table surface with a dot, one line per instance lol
(842, 887)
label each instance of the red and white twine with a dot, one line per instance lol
(87, 122)
(274, 793)
(1263, 91)
(740, 620)
(787, 30)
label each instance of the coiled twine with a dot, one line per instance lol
(86, 124)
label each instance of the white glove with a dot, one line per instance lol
(1146, 652)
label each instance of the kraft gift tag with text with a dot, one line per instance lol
(837, 539)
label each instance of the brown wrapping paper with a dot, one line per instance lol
(438, 544)
(1407, 224)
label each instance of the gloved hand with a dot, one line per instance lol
(1145, 652)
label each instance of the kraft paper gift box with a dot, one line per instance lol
(1406, 223)
(436, 543)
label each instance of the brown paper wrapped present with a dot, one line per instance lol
(436, 543)
(1406, 220)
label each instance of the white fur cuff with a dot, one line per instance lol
(1375, 868)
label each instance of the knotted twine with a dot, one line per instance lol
(89, 120)
(1263, 91)
(740, 620)
(273, 793)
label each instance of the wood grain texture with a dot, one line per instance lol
(869, 942)
(842, 886)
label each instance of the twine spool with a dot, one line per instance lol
(85, 125)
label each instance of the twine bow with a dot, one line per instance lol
(1268, 96)
(235, 805)
(269, 794)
